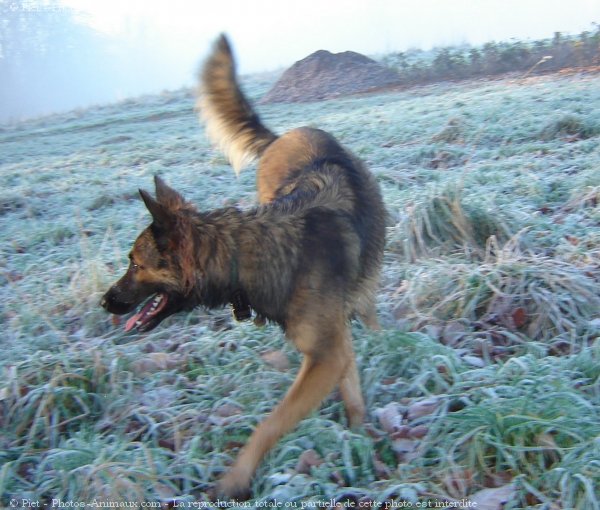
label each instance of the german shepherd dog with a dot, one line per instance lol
(307, 258)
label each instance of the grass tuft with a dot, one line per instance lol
(530, 426)
(540, 297)
(442, 222)
(453, 132)
(569, 125)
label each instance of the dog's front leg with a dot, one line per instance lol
(317, 377)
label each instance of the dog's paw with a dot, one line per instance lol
(356, 417)
(232, 487)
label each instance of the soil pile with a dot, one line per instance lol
(325, 75)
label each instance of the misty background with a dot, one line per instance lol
(57, 55)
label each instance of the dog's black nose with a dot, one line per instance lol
(112, 302)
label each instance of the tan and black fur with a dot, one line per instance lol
(308, 258)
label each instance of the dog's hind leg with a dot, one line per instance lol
(368, 316)
(325, 361)
(352, 396)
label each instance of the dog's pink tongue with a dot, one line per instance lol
(150, 309)
(130, 324)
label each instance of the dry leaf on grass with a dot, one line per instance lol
(307, 460)
(224, 414)
(418, 432)
(382, 470)
(390, 417)
(519, 317)
(497, 479)
(337, 478)
(276, 359)
(474, 361)
(453, 332)
(459, 482)
(405, 449)
(493, 499)
(422, 408)
(156, 361)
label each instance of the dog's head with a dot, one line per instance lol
(161, 273)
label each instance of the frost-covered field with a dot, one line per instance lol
(483, 386)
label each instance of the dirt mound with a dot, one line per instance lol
(325, 75)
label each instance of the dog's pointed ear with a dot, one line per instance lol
(159, 212)
(166, 195)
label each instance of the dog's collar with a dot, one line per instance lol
(240, 307)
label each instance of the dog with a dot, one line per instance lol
(307, 258)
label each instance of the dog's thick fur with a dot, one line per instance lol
(309, 258)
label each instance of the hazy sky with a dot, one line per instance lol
(154, 45)
(272, 34)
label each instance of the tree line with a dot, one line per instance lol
(494, 58)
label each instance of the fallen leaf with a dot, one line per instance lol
(227, 410)
(474, 361)
(492, 499)
(551, 449)
(164, 492)
(228, 345)
(497, 479)
(404, 445)
(233, 445)
(156, 361)
(168, 444)
(149, 347)
(337, 478)
(405, 449)
(307, 460)
(418, 432)
(280, 478)
(13, 276)
(422, 408)
(519, 317)
(390, 417)
(433, 331)
(224, 414)
(572, 239)
(382, 470)
(453, 332)
(594, 323)
(276, 359)
(403, 431)
(458, 482)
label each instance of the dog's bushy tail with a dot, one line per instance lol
(230, 121)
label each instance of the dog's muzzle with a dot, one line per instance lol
(111, 303)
